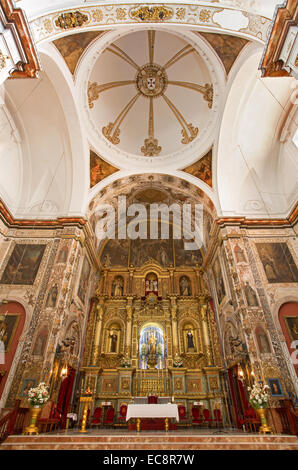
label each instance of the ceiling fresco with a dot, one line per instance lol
(99, 169)
(202, 169)
(227, 47)
(72, 47)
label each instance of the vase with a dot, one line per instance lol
(264, 428)
(34, 413)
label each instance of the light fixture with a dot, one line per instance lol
(64, 371)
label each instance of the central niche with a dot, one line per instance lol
(152, 347)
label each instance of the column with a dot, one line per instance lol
(129, 310)
(100, 311)
(174, 326)
(206, 338)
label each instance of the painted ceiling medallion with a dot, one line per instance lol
(151, 80)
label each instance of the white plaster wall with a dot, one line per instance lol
(247, 170)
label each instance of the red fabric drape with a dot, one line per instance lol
(68, 396)
(236, 410)
(242, 393)
(61, 396)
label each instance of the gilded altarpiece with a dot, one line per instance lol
(153, 331)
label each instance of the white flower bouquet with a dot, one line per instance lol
(259, 395)
(38, 396)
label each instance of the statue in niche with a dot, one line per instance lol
(52, 296)
(251, 296)
(190, 342)
(152, 344)
(239, 254)
(117, 289)
(114, 339)
(185, 289)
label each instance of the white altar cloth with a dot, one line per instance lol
(168, 410)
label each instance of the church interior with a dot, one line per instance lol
(107, 108)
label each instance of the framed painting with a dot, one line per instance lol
(278, 263)
(8, 326)
(23, 264)
(292, 327)
(219, 282)
(27, 384)
(275, 387)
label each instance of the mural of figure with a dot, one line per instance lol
(190, 342)
(52, 296)
(39, 345)
(251, 296)
(163, 257)
(263, 342)
(114, 339)
(147, 285)
(239, 254)
(117, 290)
(63, 254)
(185, 286)
(155, 285)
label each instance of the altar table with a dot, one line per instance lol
(165, 411)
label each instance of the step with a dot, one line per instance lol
(150, 442)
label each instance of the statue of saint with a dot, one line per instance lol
(118, 287)
(190, 343)
(184, 286)
(152, 344)
(251, 297)
(114, 339)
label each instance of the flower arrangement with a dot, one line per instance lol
(38, 396)
(125, 362)
(259, 395)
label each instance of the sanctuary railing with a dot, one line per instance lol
(13, 421)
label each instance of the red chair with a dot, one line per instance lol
(96, 418)
(122, 412)
(206, 415)
(252, 420)
(182, 415)
(49, 419)
(217, 417)
(109, 419)
(196, 416)
(152, 399)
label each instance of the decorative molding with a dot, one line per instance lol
(244, 222)
(61, 222)
(284, 24)
(14, 19)
(44, 27)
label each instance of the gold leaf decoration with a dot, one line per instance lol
(154, 13)
(70, 20)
